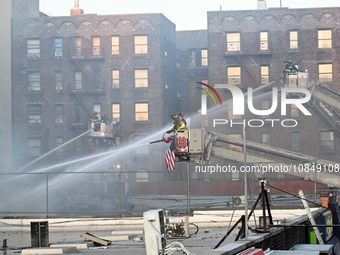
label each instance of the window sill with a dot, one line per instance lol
(140, 55)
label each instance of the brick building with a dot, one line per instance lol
(66, 68)
(131, 67)
(247, 49)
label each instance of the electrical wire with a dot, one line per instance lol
(175, 247)
(197, 228)
(319, 205)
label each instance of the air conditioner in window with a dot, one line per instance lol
(34, 55)
(35, 121)
(116, 120)
(58, 54)
(115, 86)
(58, 121)
(58, 88)
(34, 88)
(192, 65)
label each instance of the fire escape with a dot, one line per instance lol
(248, 50)
(89, 84)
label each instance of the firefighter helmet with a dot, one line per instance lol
(174, 116)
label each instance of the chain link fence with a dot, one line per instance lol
(130, 193)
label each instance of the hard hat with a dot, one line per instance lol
(174, 116)
(180, 114)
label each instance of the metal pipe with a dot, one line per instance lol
(245, 186)
(188, 188)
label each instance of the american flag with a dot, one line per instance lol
(170, 160)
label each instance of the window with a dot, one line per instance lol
(293, 40)
(325, 39)
(58, 47)
(78, 84)
(116, 112)
(34, 147)
(264, 41)
(115, 79)
(325, 72)
(141, 112)
(141, 44)
(192, 58)
(59, 113)
(326, 141)
(34, 114)
(58, 142)
(266, 139)
(58, 80)
(141, 78)
(234, 75)
(295, 141)
(264, 75)
(294, 110)
(79, 113)
(34, 81)
(204, 57)
(97, 73)
(33, 48)
(79, 147)
(96, 46)
(142, 176)
(178, 59)
(115, 45)
(230, 112)
(233, 42)
(77, 46)
(98, 109)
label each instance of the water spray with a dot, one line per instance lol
(53, 150)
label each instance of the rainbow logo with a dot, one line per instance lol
(204, 98)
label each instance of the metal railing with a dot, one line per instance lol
(108, 193)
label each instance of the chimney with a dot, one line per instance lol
(76, 10)
(261, 4)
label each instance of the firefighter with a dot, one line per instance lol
(181, 118)
(104, 118)
(95, 117)
(179, 124)
(290, 67)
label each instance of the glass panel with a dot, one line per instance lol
(114, 45)
(324, 39)
(116, 112)
(96, 46)
(264, 41)
(293, 39)
(234, 75)
(204, 55)
(233, 42)
(141, 78)
(141, 44)
(141, 111)
(58, 44)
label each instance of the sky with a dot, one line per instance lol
(186, 14)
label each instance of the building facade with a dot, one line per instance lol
(138, 70)
(247, 49)
(67, 68)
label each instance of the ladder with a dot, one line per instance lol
(310, 216)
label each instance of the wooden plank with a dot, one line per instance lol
(96, 240)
